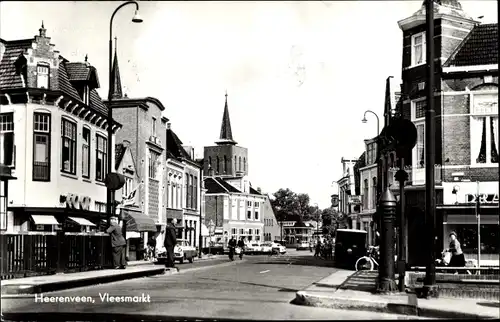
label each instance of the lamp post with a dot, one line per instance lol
(430, 289)
(364, 120)
(109, 192)
(386, 283)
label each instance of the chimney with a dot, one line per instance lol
(126, 143)
(169, 126)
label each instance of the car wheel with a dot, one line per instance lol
(191, 259)
(182, 260)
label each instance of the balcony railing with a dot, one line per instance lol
(41, 170)
(416, 176)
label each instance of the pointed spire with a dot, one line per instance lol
(42, 30)
(116, 85)
(226, 135)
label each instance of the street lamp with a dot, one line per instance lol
(364, 120)
(137, 19)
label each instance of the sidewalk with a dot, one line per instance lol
(50, 283)
(348, 290)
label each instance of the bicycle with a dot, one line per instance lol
(368, 262)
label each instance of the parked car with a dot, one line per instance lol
(303, 245)
(266, 248)
(280, 248)
(253, 248)
(182, 251)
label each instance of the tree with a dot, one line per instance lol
(287, 202)
(333, 220)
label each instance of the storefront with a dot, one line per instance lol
(137, 225)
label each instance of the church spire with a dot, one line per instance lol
(226, 135)
(116, 85)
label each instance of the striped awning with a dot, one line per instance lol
(137, 221)
(44, 220)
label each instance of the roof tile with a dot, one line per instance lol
(8, 76)
(480, 47)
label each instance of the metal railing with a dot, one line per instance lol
(28, 254)
(41, 170)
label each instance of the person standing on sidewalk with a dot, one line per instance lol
(169, 243)
(118, 243)
(457, 256)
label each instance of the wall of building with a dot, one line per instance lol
(272, 229)
(230, 151)
(26, 192)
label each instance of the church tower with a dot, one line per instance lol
(226, 159)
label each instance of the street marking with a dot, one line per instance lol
(264, 271)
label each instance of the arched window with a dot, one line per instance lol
(235, 163)
(210, 162)
(225, 164)
(239, 163)
(245, 164)
(218, 165)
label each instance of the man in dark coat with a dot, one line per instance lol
(118, 243)
(169, 242)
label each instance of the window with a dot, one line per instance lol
(235, 163)
(418, 117)
(42, 76)
(195, 192)
(7, 148)
(128, 186)
(418, 49)
(249, 204)
(100, 206)
(3, 207)
(233, 231)
(225, 164)
(101, 163)
(209, 162)
(250, 231)
(188, 191)
(218, 165)
(153, 161)
(249, 214)
(239, 164)
(191, 191)
(68, 153)
(86, 95)
(242, 232)
(86, 152)
(484, 145)
(244, 164)
(41, 148)
(153, 127)
(374, 193)
(256, 213)
(365, 194)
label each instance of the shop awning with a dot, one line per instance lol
(82, 221)
(137, 221)
(44, 220)
(204, 231)
(133, 234)
(471, 220)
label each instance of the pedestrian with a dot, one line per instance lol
(118, 243)
(241, 245)
(457, 256)
(318, 248)
(169, 242)
(151, 248)
(232, 247)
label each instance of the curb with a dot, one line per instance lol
(303, 298)
(445, 314)
(69, 284)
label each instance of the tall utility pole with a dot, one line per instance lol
(430, 156)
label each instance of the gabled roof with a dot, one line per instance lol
(9, 78)
(174, 146)
(254, 192)
(218, 185)
(480, 47)
(79, 72)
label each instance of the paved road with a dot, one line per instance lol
(259, 287)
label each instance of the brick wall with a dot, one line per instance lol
(230, 151)
(43, 52)
(213, 205)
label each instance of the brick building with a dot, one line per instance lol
(466, 107)
(144, 128)
(53, 136)
(230, 202)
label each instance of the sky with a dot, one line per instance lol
(299, 75)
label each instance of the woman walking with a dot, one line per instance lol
(457, 256)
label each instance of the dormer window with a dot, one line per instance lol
(42, 76)
(153, 126)
(86, 95)
(418, 49)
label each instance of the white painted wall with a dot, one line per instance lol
(26, 192)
